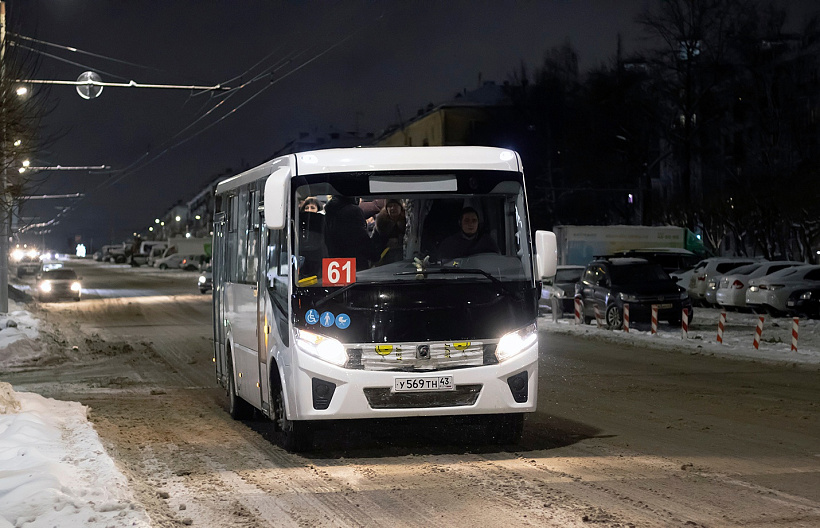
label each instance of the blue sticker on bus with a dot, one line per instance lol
(328, 319)
(342, 321)
(312, 317)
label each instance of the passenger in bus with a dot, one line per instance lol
(346, 232)
(469, 240)
(391, 224)
(311, 205)
(370, 210)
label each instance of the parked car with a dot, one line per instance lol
(194, 262)
(708, 268)
(804, 303)
(206, 280)
(559, 293)
(58, 283)
(731, 291)
(771, 292)
(171, 261)
(609, 283)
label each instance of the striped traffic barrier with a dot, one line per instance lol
(758, 332)
(654, 319)
(795, 324)
(577, 311)
(626, 318)
(598, 319)
(684, 324)
(721, 326)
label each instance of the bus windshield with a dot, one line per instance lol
(352, 230)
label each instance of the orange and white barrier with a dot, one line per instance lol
(654, 319)
(598, 319)
(795, 324)
(577, 311)
(759, 332)
(626, 318)
(721, 326)
(684, 324)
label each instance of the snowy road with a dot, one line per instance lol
(624, 435)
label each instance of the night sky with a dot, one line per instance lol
(343, 65)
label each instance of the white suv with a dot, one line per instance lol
(709, 268)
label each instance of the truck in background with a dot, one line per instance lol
(183, 245)
(578, 245)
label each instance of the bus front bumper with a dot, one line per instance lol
(323, 391)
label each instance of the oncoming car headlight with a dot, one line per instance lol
(202, 279)
(324, 348)
(45, 286)
(516, 342)
(75, 286)
(628, 297)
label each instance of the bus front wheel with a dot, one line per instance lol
(294, 436)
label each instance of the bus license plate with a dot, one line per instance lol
(437, 383)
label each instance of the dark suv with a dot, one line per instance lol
(611, 282)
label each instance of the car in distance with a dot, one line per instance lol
(611, 282)
(731, 290)
(709, 268)
(206, 280)
(27, 265)
(59, 283)
(770, 293)
(558, 293)
(804, 303)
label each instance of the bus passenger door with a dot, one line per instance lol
(219, 277)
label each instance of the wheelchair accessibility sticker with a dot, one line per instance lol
(327, 319)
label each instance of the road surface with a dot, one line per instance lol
(623, 436)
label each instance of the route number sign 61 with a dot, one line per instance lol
(338, 271)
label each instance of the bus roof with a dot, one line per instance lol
(383, 159)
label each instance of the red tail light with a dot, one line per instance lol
(702, 277)
(737, 285)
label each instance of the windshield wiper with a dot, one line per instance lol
(462, 271)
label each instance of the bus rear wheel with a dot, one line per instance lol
(294, 436)
(238, 408)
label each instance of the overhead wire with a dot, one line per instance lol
(143, 160)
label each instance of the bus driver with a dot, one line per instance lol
(469, 240)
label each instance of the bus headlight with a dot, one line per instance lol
(516, 342)
(45, 286)
(324, 348)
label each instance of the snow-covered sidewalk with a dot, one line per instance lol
(775, 342)
(54, 470)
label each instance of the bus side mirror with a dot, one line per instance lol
(546, 253)
(276, 187)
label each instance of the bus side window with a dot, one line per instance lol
(278, 267)
(254, 217)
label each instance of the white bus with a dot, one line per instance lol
(317, 317)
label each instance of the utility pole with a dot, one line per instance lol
(5, 210)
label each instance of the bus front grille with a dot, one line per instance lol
(383, 398)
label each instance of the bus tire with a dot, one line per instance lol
(294, 436)
(238, 408)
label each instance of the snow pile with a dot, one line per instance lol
(54, 470)
(19, 343)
